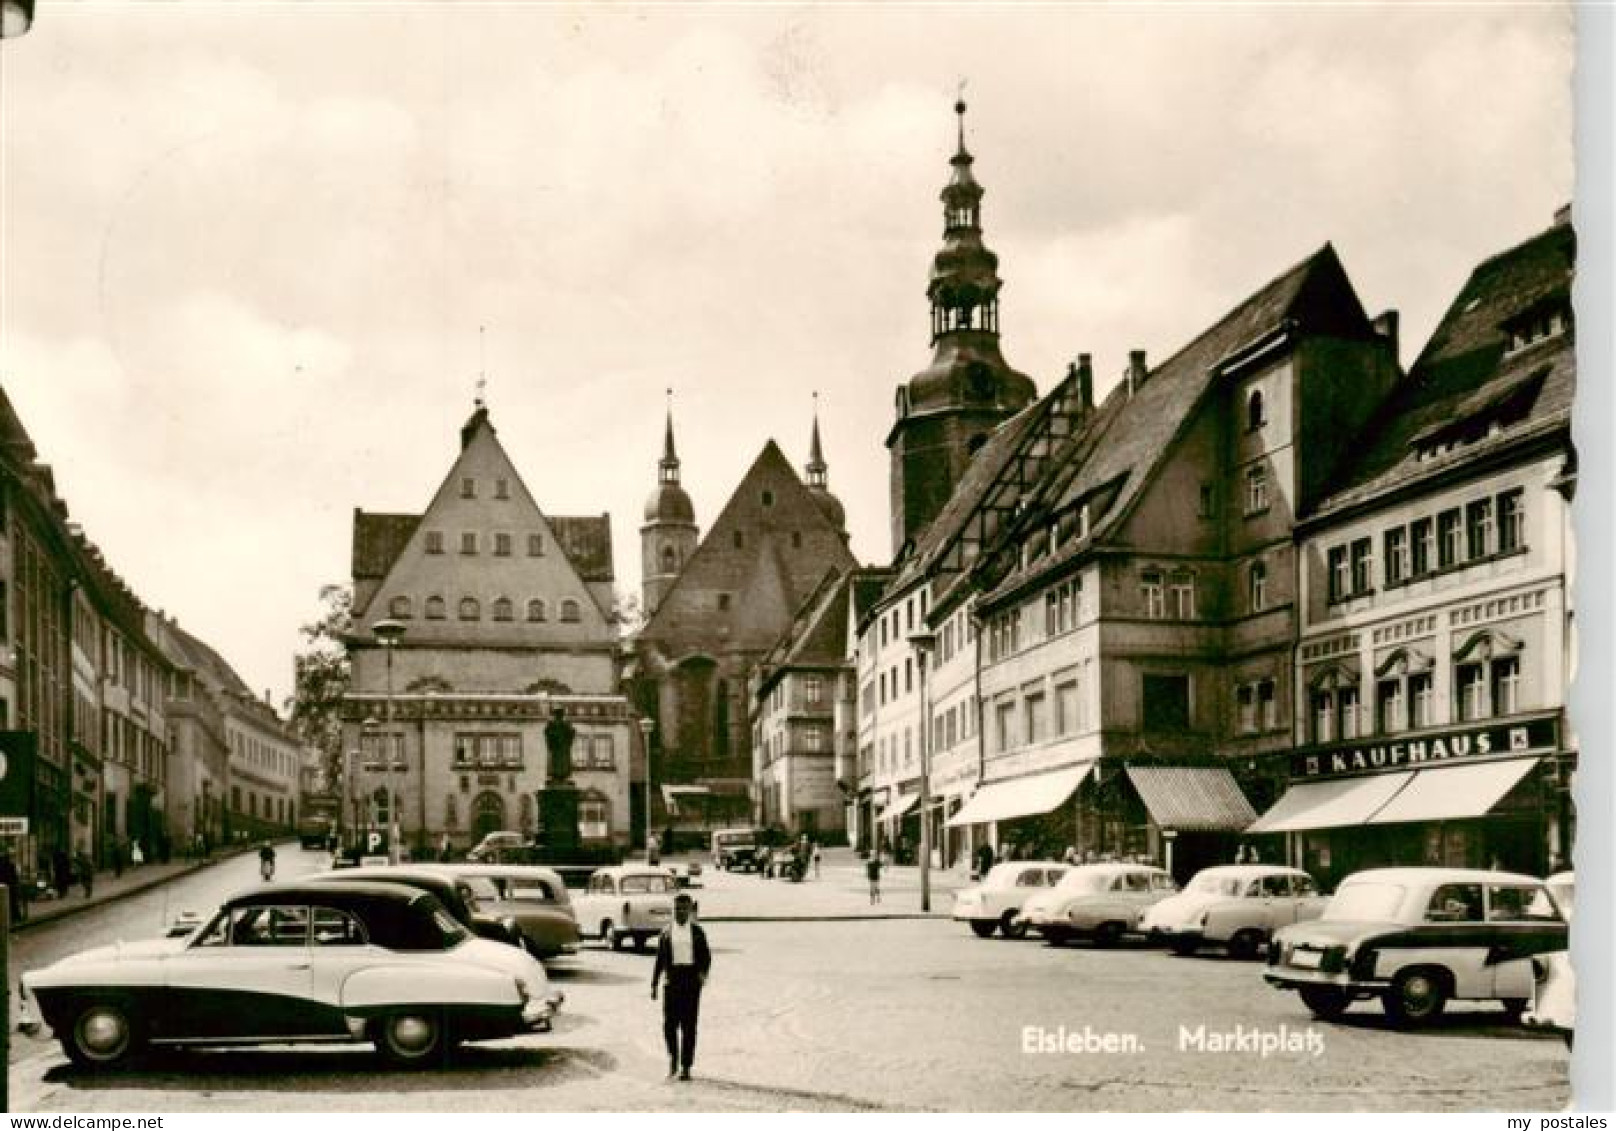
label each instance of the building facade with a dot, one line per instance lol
(506, 614)
(1435, 600)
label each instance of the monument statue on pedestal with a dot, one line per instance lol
(558, 800)
(558, 736)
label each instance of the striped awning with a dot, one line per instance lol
(1020, 797)
(1192, 799)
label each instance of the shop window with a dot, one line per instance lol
(1165, 700)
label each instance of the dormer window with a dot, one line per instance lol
(1536, 325)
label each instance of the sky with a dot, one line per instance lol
(254, 261)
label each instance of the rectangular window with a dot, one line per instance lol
(502, 488)
(1256, 490)
(1153, 595)
(1449, 538)
(908, 674)
(1511, 521)
(1348, 700)
(535, 545)
(1390, 706)
(1267, 705)
(434, 541)
(1340, 573)
(502, 545)
(1066, 708)
(1421, 700)
(1004, 723)
(1209, 501)
(1184, 596)
(1470, 682)
(1363, 564)
(813, 690)
(468, 488)
(1166, 702)
(1422, 547)
(1506, 685)
(1037, 721)
(1246, 699)
(1397, 558)
(1323, 715)
(468, 542)
(1479, 528)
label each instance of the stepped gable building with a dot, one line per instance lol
(1138, 614)
(947, 410)
(506, 614)
(729, 603)
(795, 692)
(1434, 599)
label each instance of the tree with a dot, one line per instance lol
(322, 677)
(627, 615)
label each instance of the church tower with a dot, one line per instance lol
(669, 535)
(819, 482)
(947, 410)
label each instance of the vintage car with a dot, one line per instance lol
(1235, 906)
(995, 903)
(496, 847)
(631, 902)
(1417, 938)
(457, 898)
(297, 962)
(1554, 986)
(534, 899)
(1101, 902)
(736, 850)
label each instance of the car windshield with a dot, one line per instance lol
(1081, 882)
(642, 884)
(1365, 901)
(1215, 883)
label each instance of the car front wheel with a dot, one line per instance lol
(1010, 926)
(1244, 944)
(409, 1040)
(1108, 934)
(1325, 1002)
(1417, 996)
(103, 1036)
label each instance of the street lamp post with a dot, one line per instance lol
(388, 633)
(922, 643)
(646, 727)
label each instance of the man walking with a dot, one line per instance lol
(872, 869)
(683, 956)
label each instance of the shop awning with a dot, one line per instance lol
(1445, 793)
(1020, 797)
(1192, 798)
(899, 807)
(1330, 804)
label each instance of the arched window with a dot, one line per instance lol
(569, 611)
(1256, 411)
(502, 609)
(401, 608)
(470, 609)
(434, 608)
(535, 609)
(670, 560)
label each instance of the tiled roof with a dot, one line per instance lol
(587, 542)
(1131, 433)
(378, 539)
(1463, 370)
(186, 650)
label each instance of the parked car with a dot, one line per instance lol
(631, 902)
(1554, 985)
(1101, 902)
(297, 962)
(457, 898)
(495, 847)
(1235, 906)
(1417, 938)
(736, 850)
(533, 898)
(995, 903)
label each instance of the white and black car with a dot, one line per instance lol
(327, 962)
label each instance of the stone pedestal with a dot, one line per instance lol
(558, 819)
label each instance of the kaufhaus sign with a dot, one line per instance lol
(1428, 748)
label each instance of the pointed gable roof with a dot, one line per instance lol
(747, 553)
(1132, 433)
(817, 637)
(1466, 373)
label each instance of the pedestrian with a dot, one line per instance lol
(653, 850)
(61, 872)
(85, 870)
(816, 860)
(1070, 855)
(872, 869)
(685, 959)
(13, 881)
(444, 850)
(136, 856)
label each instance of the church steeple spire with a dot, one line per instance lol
(816, 455)
(668, 466)
(964, 288)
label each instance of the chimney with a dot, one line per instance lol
(1562, 216)
(1085, 380)
(1386, 326)
(1137, 370)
